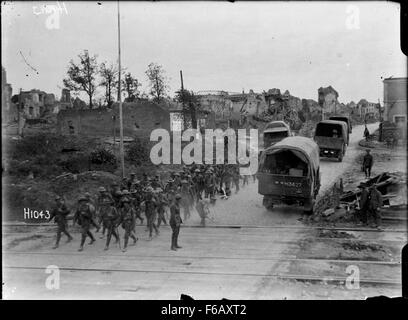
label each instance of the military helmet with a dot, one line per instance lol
(149, 189)
(102, 189)
(197, 170)
(82, 198)
(132, 174)
(178, 196)
(87, 194)
(125, 199)
(125, 192)
(114, 184)
(184, 181)
(176, 174)
(159, 189)
(57, 198)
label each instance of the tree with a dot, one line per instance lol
(190, 104)
(131, 85)
(109, 75)
(158, 81)
(81, 76)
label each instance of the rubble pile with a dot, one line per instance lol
(335, 204)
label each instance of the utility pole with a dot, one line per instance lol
(182, 100)
(122, 158)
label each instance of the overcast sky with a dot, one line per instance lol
(219, 46)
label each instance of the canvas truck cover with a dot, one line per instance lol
(276, 126)
(324, 128)
(304, 148)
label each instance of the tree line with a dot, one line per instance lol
(87, 75)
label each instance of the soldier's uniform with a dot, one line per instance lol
(363, 203)
(161, 204)
(93, 210)
(136, 203)
(151, 213)
(116, 194)
(83, 216)
(103, 194)
(203, 211)
(375, 203)
(175, 222)
(110, 217)
(367, 164)
(209, 184)
(59, 213)
(186, 200)
(127, 218)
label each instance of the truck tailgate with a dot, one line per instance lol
(283, 185)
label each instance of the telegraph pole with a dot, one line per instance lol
(122, 158)
(182, 100)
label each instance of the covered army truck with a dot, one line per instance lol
(275, 131)
(332, 138)
(289, 173)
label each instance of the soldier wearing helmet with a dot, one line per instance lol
(59, 213)
(175, 222)
(161, 205)
(109, 216)
(83, 216)
(127, 219)
(150, 205)
(103, 196)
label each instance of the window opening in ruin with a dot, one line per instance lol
(136, 126)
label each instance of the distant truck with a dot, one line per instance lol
(332, 138)
(289, 173)
(345, 119)
(274, 132)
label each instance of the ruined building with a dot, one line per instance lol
(35, 103)
(8, 110)
(327, 99)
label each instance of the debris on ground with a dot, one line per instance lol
(359, 246)
(345, 205)
(335, 234)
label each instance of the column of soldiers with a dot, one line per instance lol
(123, 204)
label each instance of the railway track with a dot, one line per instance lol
(241, 265)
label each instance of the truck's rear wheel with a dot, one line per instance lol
(340, 157)
(309, 207)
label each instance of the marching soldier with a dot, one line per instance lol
(116, 193)
(59, 213)
(161, 204)
(103, 194)
(150, 205)
(128, 222)
(203, 211)
(136, 201)
(175, 222)
(83, 216)
(109, 216)
(93, 210)
(186, 200)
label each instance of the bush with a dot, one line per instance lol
(137, 152)
(102, 156)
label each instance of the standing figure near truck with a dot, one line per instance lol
(368, 163)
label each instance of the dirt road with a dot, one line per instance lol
(245, 253)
